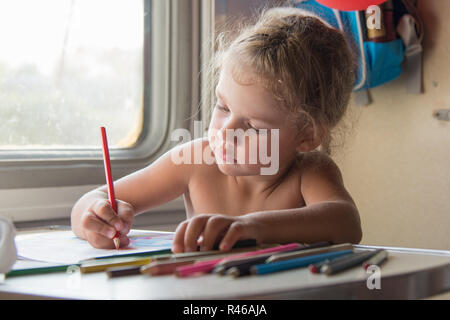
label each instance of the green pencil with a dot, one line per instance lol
(138, 254)
(39, 270)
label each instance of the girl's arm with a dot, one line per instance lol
(333, 221)
(330, 213)
(164, 180)
(154, 185)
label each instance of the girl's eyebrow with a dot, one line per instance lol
(265, 121)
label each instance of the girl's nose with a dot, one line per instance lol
(230, 125)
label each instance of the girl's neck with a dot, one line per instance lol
(258, 184)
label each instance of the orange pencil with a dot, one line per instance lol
(109, 181)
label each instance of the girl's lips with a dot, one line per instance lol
(220, 152)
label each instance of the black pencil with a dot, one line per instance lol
(315, 268)
(350, 261)
(223, 267)
(377, 260)
(307, 251)
(240, 271)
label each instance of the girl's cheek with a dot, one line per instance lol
(268, 146)
(213, 137)
(262, 146)
(247, 152)
(215, 125)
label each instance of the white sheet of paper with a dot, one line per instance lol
(65, 247)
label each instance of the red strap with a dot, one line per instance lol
(350, 5)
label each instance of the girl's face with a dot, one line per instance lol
(242, 127)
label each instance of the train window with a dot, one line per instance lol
(68, 67)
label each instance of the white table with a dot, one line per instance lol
(408, 274)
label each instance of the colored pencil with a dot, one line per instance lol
(315, 267)
(123, 271)
(267, 251)
(109, 181)
(242, 268)
(343, 264)
(104, 264)
(310, 252)
(162, 268)
(40, 270)
(295, 263)
(377, 260)
(246, 262)
(168, 266)
(207, 266)
(241, 244)
(316, 245)
(184, 255)
(144, 254)
(222, 267)
(201, 255)
(239, 271)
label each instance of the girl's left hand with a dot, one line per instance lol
(211, 227)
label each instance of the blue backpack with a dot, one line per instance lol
(380, 59)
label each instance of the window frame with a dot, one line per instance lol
(169, 31)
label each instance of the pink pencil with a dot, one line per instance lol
(207, 266)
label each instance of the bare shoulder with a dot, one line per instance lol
(194, 156)
(190, 151)
(321, 178)
(319, 163)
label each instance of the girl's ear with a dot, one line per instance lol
(312, 137)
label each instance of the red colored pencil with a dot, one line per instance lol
(109, 181)
(209, 265)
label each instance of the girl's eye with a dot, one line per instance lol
(251, 127)
(222, 108)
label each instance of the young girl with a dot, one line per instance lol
(291, 72)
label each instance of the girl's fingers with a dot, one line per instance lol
(100, 235)
(193, 231)
(237, 231)
(210, 228)
(178, 240)
(215, 226)
(126, 215)
(99, 241)
(92, 223)
(200, 240)
(124, 241)
(104, 211)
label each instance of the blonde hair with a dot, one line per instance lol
(305, 63)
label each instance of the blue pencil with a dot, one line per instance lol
(295, 263)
